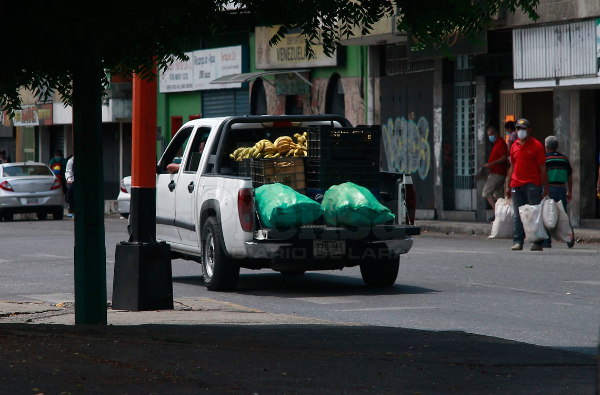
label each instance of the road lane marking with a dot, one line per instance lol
(390, 308)
(326, 300)
(530, 291)
(46, 256)
(52, 298)
(583, 282)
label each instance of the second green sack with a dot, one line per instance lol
(351, 204)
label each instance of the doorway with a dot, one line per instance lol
(538, 109)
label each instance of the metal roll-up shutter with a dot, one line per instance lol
(225, 102)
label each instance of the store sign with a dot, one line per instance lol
(456, 44)
(210, 64)
(289, 53)
(202, 67)
(598, 38)
(36, 115)
(291, 84)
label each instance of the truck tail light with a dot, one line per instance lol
(410, 199)
(123, 186)
(6, 186)
(56, 185)
(245, 209)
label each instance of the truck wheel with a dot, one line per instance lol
(42, 215)
(380, 272)
(58, 214)
(220, 272)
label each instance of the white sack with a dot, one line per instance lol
(549, 213)
(562, 231)
(533, 224)
(503, 225)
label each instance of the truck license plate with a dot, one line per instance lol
(323, 248)
(33, 201)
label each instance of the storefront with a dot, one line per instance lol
(407, 118)
(188, 93)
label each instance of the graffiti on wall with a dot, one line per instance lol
(406, 145)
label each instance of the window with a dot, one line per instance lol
(24, 171)
(197, 149)
(174, 153)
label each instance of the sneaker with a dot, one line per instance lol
(547, 245)
(517, 247)
(491, 219)
(571, 243)
(536, 247)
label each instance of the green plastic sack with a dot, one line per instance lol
(279, 206)
(351, 204)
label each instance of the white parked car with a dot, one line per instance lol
(30, 187)
(124, 197)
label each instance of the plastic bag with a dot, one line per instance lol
(503, 225)
(549, 213)
(351, 204)
(279, 206)
(563, 230)
(533, 224)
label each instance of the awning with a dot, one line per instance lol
(245, 77)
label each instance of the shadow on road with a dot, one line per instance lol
(275, 284)
(278, 359)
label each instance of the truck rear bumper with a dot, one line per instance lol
(299, 250)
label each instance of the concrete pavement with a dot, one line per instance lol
(208, 346)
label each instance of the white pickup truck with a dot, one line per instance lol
(207, 213)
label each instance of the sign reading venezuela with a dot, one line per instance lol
(289, 53)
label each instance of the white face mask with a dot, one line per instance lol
(522, 133)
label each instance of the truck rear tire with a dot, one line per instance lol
(380, 272)
(220, 272)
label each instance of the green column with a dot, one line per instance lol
(90, 251)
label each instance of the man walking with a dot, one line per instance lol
(528, 179)
(509, 128)
(70, 176)
(494, 185)
(58, 165)
(560, 179)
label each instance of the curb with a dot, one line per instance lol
(485, 230)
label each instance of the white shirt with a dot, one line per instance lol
(69, 171)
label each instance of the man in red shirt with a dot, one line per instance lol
(494, 185)
(528, 179)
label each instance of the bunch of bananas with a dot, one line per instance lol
(283, 146)
(286, 147)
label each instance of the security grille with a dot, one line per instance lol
(464, 127)
(225, 102)
(510, 104)
(396, 61)
(556, 51)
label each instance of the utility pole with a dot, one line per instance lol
(90, 252)
(143, 279)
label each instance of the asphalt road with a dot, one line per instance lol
(446, 282)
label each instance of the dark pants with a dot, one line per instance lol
(556, 194)
(71, 196)
(525, 194)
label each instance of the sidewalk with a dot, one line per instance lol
(207, 346)
(583, 235)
